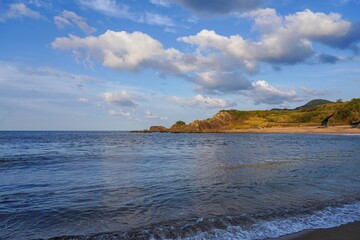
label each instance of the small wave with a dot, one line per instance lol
(239, 227)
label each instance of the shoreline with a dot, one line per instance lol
(308, 130)
(349, 231)
(344, 129)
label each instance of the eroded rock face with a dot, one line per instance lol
(158, 129)
(214, 124)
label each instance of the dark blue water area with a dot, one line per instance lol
(122, 185)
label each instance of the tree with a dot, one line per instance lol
(180, 123)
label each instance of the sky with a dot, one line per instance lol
(131, 64)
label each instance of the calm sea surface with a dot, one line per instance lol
(123, 185)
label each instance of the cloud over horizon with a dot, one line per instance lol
(120, 98)
(264, 93)
(202, 101)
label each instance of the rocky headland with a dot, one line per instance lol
(316, 116)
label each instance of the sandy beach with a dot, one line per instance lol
(350, 231)
(309, 130)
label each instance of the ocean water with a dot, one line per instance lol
(121, 185)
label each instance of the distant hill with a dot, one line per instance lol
(315, 113)
(314, 103)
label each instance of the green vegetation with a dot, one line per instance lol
(180, 123)
(315, 102)
(315, 113)
(311, 114)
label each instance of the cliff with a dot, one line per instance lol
(322, 114)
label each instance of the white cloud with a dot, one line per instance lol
(128, 51)
(202, 101)
(150, 115)
(162, 3)
(19, 10)
(315, 92)
(329, 29)
(218, 63)
(108, 7)
(262, 92)
(40, 3)
(157, 19)
(284, 40)
(121, 98)
(68, 18)
(83, 100)
(113, 9)
(127, 115)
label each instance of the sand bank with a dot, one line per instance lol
(350, 231)
(316, 130)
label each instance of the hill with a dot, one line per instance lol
(316, 113)
(314, 103)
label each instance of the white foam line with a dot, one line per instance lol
(327, 218)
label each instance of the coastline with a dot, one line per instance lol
(310, 130)
(349, 231)
(344, 129)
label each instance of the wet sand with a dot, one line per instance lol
(350, 231)
(310, 130)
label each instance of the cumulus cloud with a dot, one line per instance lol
(202, 101)
(120, 98)
(150, 115)
(216, 7)
(128, 51)
(263, 92)
(18, 11)
(329, 29)
(217, 64)
(135, 51)
(220, 82)
(283, 40)
(68, 18)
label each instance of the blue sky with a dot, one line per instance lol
(130, 64)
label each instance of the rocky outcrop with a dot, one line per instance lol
(214, 124)
(158, 129)
(324, 123)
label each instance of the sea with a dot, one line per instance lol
(123, 185)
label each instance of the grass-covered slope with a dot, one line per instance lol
(314, 103)
(339, 113)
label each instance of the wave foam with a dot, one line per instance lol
(263, 229)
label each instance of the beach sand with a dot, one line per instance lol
(310, 130)
(350, 231)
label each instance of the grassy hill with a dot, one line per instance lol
(315, 113)
(314, 103)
